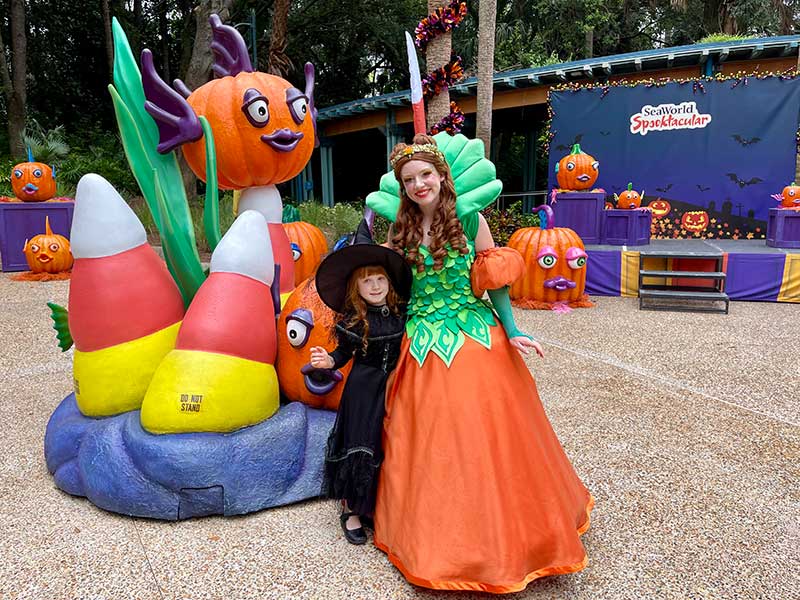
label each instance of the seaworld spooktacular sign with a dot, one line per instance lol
(668, 117)
(718, 147)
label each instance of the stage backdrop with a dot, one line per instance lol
(712, 152)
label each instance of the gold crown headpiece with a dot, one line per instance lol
(412, 149)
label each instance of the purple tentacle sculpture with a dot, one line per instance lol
(176, 120)
(230, 51)
(312, 109)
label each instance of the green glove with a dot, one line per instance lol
(502, 306)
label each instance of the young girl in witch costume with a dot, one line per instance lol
(476, 492)
(366, 284)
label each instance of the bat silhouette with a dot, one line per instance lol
(665, 188)
(605, 133)
(741, 182)
(705, 189)
(745, 142)
(578, 139)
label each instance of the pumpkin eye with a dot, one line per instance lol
(37, 172)
(17, 173)
(595, 165)
(791, 192)
(298, 106)
(34, 247)
(570, 166)
(53, 247)
(547, 261)
(296, 252)
(577, 263)
(298, 327)
(256, 108)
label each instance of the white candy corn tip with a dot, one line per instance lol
(246, 249)
(103, 224)
(265, 199)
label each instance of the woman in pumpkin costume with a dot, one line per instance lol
(475, 492)
(366, 285)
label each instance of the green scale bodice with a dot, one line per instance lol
(443, 309)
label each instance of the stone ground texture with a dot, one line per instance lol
(684, 426)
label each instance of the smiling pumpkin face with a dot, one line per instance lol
(48, 252)
(263, 131)
(660, 207)
(695, 221)
(305, 321)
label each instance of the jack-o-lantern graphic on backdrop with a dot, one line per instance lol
(305, 321)
(555, 266)
(695, 221)
(660, 208)
(630, 198)
(48, 252)
(33, 181)
(308, 244)
(577, 170)
(790, 197)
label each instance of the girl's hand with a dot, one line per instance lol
(320, 359)
(524, 344)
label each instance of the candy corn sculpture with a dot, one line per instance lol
(220, 376)
(124, 307)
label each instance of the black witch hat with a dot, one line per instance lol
(334, 272)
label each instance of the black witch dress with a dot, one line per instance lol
(354, 452)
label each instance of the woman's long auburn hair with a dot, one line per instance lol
(355, 307)
(445, 228)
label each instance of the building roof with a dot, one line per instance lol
(590, 68)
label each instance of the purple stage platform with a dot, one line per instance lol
(20, 221)
(754, 271)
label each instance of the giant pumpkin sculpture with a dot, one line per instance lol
(308, 244)
(555, 266)
(264, 130)
(630, 198)
(577, 170)
(790, 197)
(305, 321)
(48, 252)
(33, 181)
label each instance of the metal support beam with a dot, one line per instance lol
(326, 164)
(393, 135)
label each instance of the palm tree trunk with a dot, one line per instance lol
(487, 15)
(13, 78)
(437, 54)
(279, 63)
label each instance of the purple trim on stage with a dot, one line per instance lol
(754, 276)
(603, 272)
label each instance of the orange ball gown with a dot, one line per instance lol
(475, 492)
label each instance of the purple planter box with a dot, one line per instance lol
(783, 228)
(626, 227)
(582, 212)
(20, 221)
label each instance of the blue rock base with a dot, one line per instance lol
(122, 468)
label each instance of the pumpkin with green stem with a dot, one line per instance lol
(630, 198)
(577, 170)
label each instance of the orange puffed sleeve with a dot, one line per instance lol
(495, 268)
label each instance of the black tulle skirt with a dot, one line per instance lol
(354, 453)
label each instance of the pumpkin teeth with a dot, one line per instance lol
(246, 249)
(103, 224)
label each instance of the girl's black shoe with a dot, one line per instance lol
(354, 536)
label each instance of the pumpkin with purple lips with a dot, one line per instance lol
(305, 321)
(577, 170)
(263, 129)
(555, 266)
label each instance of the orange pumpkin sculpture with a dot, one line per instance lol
(48, 252)
(695, 221)
(308, 244)
(33, 181)
(555, 266)
(790, 197)
(629, 199)
(577, 170)
(659, 207)
(305, 321)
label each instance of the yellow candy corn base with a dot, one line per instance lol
(203, 391)
(114, 380)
